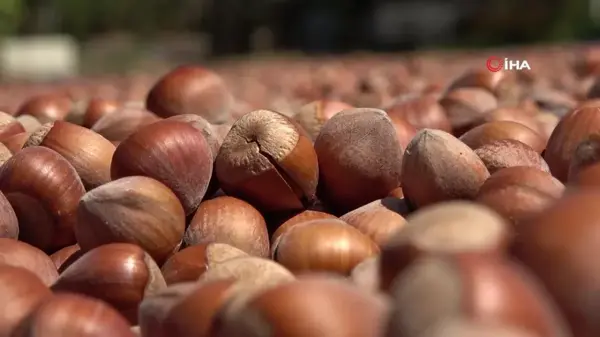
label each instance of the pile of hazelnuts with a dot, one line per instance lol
(365, 196)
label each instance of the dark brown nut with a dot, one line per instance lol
(325, 245)
(493, 131)
(422, 112)
(557, 245)
(446, 228)
(15, 143)
(126, 120)
(526, 177)
(47, 107)
(587, 153)
(505, 153)
(267, 160)
(20, 291)
(29, 123)
(19, 254)
(137, 210)
(289, 309)
(313, 115)
(44, 189)
(191, 90)
(366, 275)
(96, 109)
(184, 310)
(249, 270)
(188, 264)
(465, 107)
(231, 221)
(378, 219)
(438, 167)
(9, 126)
(208, 130)
(471, 286)
(172, 152)
(65, 256)
(359, 158)
(88, 152)
(573, 128)
(120, 274)
(73, 315)
(475, 328)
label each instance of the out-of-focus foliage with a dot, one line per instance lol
(10, 15)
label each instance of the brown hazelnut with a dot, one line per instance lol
(231, 221)
(514, 114)
(525, 176)
(126, 120)
(15, 142)
(499, 83)
(266, 160)
(249, 270)
(587, 153)
(573, 128)
(9, 126)
(208, 130)
(174, 153)
(290, 310)
(475, 328)
(423, 112)
(359, 158)
(136, 210)
(190, 263)
(73, 315)
(9, 224)
(405, 131)
(471, 286)
(20, 291)
(557, 245)
(445, 228)
(366, 274)
(19, 254)
(328, 245)
(500, 130)
(64, 257)
(191, 90)
(505, 153)
(29, 123)
(96, 109)
(465, 107)
(299, 218)
(120, 274)
(378, 219)
(313, 115)
(44, 190)
(438, 167)
(88, 152)
(47, 107)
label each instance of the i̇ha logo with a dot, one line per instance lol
(495, 64)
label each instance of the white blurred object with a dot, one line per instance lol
(43, 57)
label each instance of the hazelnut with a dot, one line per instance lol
(514, 114)
(64, 257)
(465, 107)
(19, 254)
(47, 107)
(231, 221)
(73, 315)
(471, 287)
(119, 274)
(378, 219)
(9, 126)
(505, 153)
(438, 167)
(172, 152)
(44, 189)
(191, 90)
(299, 218)
(572, 129)
(29, 123)
(249, 270)
(15, 142)
(328, 245)
(96, 109)
(267, 160)
(586, 154)
(126, 120)
(500, 130)
(445, 228)
(359, 158)
(405, 131)
(529, 177)
(366, 274)
(136, 210)
(423, 112)
(313, 115)
(9, 224)
(191, 262)
(208, 130)
(88, 152)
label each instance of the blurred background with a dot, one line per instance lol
(97, 36)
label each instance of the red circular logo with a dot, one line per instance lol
(494, 60)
